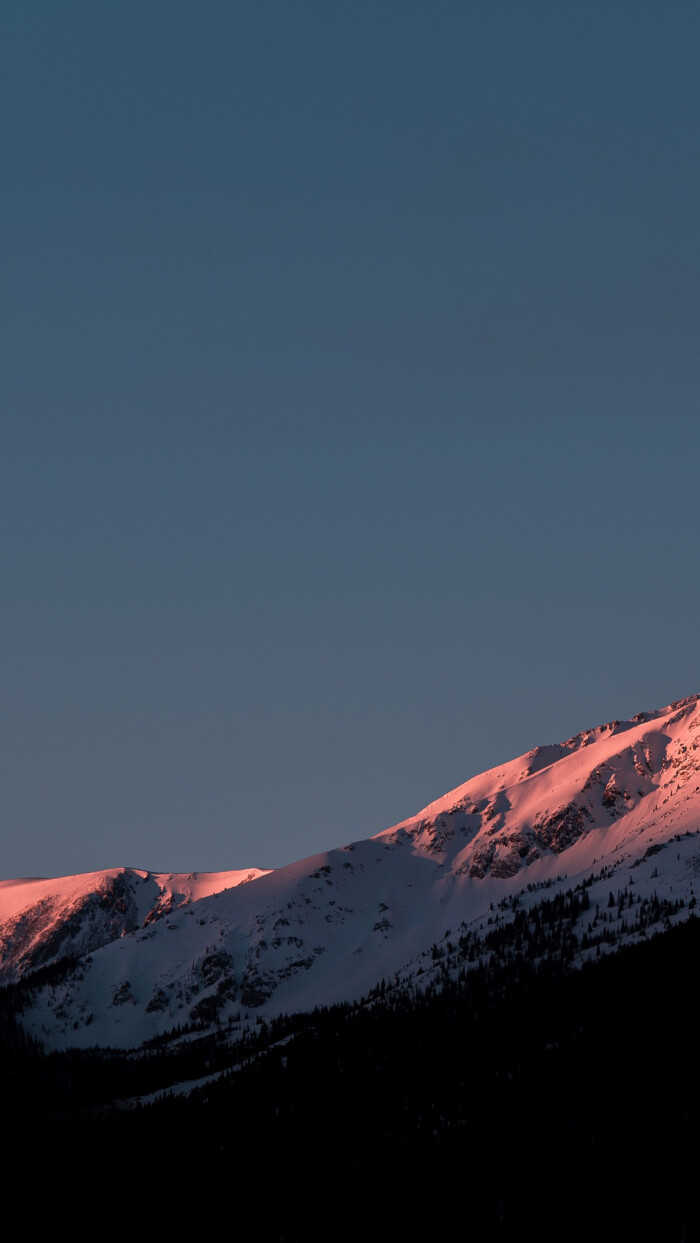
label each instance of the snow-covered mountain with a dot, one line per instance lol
(145, 952)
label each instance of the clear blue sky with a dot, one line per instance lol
(349, 398)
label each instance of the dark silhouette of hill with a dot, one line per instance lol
(521, 1097)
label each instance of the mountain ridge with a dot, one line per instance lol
(144, 952)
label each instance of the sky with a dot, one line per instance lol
(349, 429)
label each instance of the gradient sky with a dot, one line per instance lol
(349, 397)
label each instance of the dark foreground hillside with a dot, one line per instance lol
(561, 1104)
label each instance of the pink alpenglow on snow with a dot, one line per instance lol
(615, 805)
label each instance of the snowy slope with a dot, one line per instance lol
(155, 951)
(45, 920)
